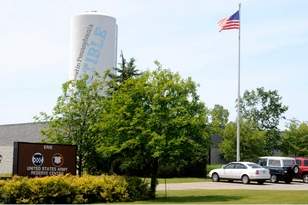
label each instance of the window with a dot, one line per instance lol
(240, 166)
(288, 162)
(229, 166)
(298, 162)
(262, 162)
(274, 163)
(254, 166)
(305, 162)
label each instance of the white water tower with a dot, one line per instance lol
(93, 44)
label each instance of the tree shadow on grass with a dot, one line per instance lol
(189, 199)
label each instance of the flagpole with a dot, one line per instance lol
(238, 91)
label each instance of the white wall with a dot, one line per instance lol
(6, 164)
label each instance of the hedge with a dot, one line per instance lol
(72, 189)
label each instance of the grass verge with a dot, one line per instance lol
(230, 197)
(179, 180)
(182, 180)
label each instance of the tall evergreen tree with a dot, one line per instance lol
(126, 70)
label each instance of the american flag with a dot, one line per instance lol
(233, 22)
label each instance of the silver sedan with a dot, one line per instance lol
(245, 171)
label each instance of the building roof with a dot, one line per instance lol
(23, 132)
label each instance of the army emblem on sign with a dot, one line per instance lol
(57, 160)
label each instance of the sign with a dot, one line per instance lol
(38, 159)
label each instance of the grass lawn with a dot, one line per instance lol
(188, 179)
(230, 197)
(179, 180)
(182, 180)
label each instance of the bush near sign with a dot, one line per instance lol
(39, 159)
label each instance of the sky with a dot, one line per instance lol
(182, 34)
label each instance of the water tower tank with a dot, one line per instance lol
(93, 44)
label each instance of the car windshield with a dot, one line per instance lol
(288, 162)
(254, 166)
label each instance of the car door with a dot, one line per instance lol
(305, 166)
(239, 171)
(275, 167)
(227, 171)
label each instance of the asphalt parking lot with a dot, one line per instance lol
(297, 185)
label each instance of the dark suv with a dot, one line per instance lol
(302, 162)
(281, 168)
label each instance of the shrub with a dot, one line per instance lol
(90, 189)
(137, 188)
(1, 184)
(72, 189)
(16, 190)
(53, 189)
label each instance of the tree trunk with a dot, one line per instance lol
(80, 164)
(154, 178)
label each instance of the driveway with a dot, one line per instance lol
(234, 185)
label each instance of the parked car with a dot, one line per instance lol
(302, 163)
(281, 168)
(245, 171)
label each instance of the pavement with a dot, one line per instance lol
(234, 185)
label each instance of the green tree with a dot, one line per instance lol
(295, 139)
(73, 120)
(219, 117)
(266, 110)
(154, 120)
(126, 70)
(252, 142)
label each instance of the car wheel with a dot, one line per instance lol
(305, 178)
(295, 169)
(245, 179)
(261, 181)
(274, 178)
(215, 177)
